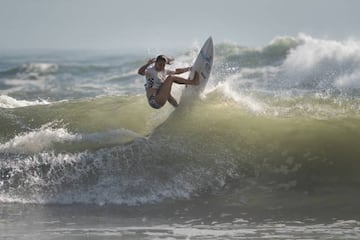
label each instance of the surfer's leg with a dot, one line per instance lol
(164, 92)
(180, 80)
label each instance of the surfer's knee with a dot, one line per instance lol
(161, 101)
(170, 78)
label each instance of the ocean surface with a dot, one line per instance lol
(269, 150)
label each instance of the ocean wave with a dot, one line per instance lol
(36, 71)
(37, 140)
(50, 138)
(129, 174)
(282, 117)
(286, 65)
(323, 64)
(272, 54)
(207, 147)
(30, 71)
(291, 67)
(9, 102)
(177, 167)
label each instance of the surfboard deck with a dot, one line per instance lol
(203, 64)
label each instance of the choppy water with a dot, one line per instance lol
(277, 129)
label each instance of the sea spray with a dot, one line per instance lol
(282, 119)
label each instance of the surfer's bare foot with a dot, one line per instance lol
(196, 80)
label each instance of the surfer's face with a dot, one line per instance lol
(160, 65)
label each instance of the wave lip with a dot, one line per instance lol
(290, 76)
(323, 64)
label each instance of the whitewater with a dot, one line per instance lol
(270, 149)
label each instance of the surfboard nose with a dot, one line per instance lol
(209, 41)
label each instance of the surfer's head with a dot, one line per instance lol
(160, 62)
(161, 58)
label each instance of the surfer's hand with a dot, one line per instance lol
(142, 70)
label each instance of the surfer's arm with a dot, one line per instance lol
(182, 70)
(141, 70)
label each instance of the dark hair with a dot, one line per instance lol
(161, 58)
(164, 58)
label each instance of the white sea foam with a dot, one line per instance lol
(251, 103)
(349, 81)
(283, 78)
(9, 102)
(44, 138)
(313, 51)
(200, 229)
(278, 85)
(37, 140)
(323, 64)
(39, 68)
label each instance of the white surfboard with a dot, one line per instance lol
(203, 64)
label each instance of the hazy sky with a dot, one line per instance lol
(142, 24)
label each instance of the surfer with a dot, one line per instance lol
(159, 81)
